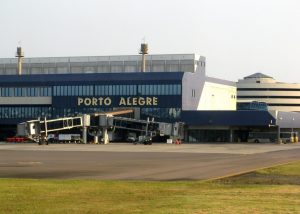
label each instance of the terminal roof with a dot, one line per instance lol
(258, 75)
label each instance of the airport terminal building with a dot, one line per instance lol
(172, 88)
(278, 96)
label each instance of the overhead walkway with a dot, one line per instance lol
(38, 130)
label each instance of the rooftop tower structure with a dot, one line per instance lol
(144, 51)
(19, 55)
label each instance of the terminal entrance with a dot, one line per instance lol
(207, 135)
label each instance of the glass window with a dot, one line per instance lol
(37, 92)
(140, 90)
(97, 89)
(49, 91)
(101, 90)
(110, 92)
(154, 89)
(179, 89)
(59, 90)
(118, 91)
(32, 92)
(69, 90)
(87, 90)
(91, 90)
(175, 90)
(124, 90)
(158, 89)
(130, 89)
(170, 87)
(11, 92)
(80, 90)
(134, 90)
(55, 88)
(166, 89)
(19, 92)
(62, 90)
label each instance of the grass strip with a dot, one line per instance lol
(231, 195)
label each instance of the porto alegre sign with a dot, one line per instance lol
(122, 101)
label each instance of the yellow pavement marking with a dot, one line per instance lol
(248, 171)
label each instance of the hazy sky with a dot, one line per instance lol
(237, 37)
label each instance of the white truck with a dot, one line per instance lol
(64, 138)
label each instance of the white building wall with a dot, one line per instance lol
(192, 86)
(202, 93)
(217, 97)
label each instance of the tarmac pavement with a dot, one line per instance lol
(140, 162)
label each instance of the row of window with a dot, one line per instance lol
(91, 90)
(161, 113)
(34, 112)
(73, 90)
(115, 90)
(262, 106)
(171, 89)
(25, 92)
(103, 67)
(25, 112)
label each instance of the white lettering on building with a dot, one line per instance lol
(123, 101)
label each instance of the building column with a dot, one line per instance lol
(231, 136)
(105, 136)
(84, 134)
(96, 141)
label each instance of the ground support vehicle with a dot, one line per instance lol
(64, 138)
(146, 140)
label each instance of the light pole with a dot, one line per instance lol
(278, 132)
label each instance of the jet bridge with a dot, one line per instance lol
(97, 124)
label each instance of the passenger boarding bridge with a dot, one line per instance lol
(37, 130)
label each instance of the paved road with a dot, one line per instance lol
(156, 162)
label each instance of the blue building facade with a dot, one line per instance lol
(61, 95)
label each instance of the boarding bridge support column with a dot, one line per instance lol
(86, 122)
(96, 139)
(105, 136)
(84, 135)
